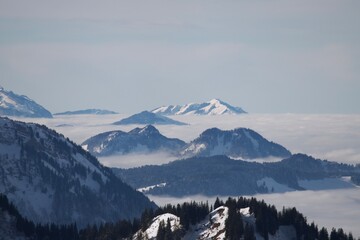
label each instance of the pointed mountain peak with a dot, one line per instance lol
(149, 128)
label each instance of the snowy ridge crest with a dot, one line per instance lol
(212, 107)
(12, 104)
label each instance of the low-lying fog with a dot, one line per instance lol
(332, 137)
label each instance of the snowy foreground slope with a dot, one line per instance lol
(212, 107)
(212, 227)
(51, 179)
(12, 104)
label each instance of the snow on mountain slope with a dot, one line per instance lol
(240, 142)
(212, 107)
(213, 227)
(12, 104)
(139, 140)
(152, 230)
(50, 179)
(273, 186)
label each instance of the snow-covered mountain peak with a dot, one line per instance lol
(149, 129)
(152, 231)
(12, 104)
(213, 107)
(145, 140)
(240, 142)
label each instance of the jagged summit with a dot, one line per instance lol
(212, 107)
(12, 104)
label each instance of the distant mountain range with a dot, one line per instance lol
(51, 179)
(139, 140)
(148, 118)
(222, 176)
(12, 104)
(212, 107)
(238, 143)
(87, 111)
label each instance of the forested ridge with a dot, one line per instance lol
(267, 221)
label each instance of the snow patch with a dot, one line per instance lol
(146, 189)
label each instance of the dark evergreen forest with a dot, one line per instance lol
(268, 220)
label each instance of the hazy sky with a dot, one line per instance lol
(127, 56)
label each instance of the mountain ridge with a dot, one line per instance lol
(223, 176)
(12, 104)
(87, 111)
(237, 143)
(212, 107)
(147, 139)
(51, 179)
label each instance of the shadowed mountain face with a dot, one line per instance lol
(238, 143)
(51, 179)
(138, 140)
(222, 176)
(147, 118)
(12, 104)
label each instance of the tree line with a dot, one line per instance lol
(267, 222)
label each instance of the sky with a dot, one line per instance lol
(128, 56)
